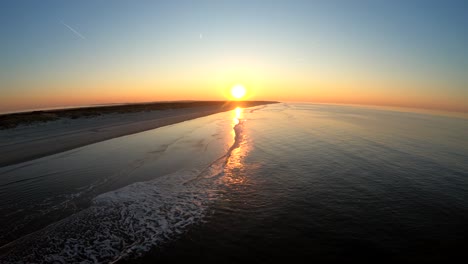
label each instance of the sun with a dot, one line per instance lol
(238, 91)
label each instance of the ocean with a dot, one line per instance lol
(329, 182)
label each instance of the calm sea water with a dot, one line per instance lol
(322, 181)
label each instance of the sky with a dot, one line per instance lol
(392, 53)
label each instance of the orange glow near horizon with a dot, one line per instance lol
(262, 86)
(234, 77)
(144, 57)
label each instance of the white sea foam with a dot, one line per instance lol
(126, 222)
(119, 224)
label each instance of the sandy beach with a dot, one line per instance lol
(73, 128)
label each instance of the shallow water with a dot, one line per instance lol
(329, 182)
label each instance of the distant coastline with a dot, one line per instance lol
(11, 120)
(30, 135)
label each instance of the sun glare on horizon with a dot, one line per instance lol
(238, 91)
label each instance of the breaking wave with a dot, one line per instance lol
(127, 222)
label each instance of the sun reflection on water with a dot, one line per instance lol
(235, 166)
(237, 116)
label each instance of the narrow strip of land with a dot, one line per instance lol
(28, 136)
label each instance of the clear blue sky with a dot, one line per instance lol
(409, 53)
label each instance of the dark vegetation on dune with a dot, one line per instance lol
(25, 118)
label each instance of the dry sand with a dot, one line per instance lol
(28, 142)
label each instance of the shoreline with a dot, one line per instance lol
(42, 138)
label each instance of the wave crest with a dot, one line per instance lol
(127, 222)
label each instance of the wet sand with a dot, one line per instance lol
(28, 136)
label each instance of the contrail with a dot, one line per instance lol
(73, 30)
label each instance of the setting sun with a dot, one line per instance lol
(238, 91)
(177, 127)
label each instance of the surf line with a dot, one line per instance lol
(221, 162)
